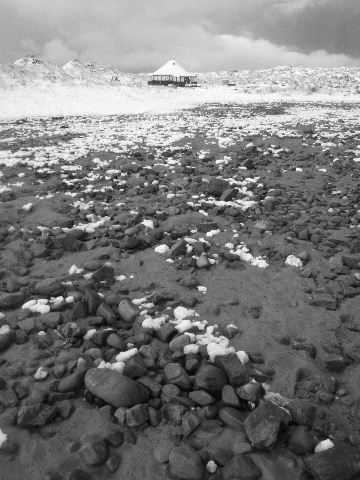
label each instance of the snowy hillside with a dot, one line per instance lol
(31, 86)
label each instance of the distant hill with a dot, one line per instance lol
(30, 70)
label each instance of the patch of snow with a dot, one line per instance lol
(324, 445)
(293, 261)
(162, 249)
(74, 270)
(124, 356)
(4, 330)
(3, 438)
(154, 323)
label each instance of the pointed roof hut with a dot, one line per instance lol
(171, 73)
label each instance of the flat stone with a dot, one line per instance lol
(201, 397)
(185, 463)
(115, 388)
(241, 467)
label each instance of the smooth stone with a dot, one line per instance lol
(115, 388)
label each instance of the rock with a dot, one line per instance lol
(104, 273)
(175, 374)
(232, 417)
(127, 310)
(113, 462)
(79, 474)
(229, 397)
(6, 340)
(94, 452)
(201, 397)
(11, 300)
(324, 300)
(251, 392)
(190, 422)
(114, 341)
(210, 378)
(185, 463)
(263, 424)
(302, 412)
(352, 261)
(115, 438)
(73, 382)
(179, 249)
(216, 187)
(335, 363)
(341, 461)
(301, 441)
(135, 367)
(173, 412)
(114, 388)
(137, 416)
(228, 443)
(36, 415)
(237, 372)
(179, 342)
(162, 450)
(49, 287)
(241, 467)
(106, 312)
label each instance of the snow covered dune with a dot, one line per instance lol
(57, 100)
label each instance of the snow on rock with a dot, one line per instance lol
(74, 270)
(41, 373)
(191, 349)
(4, 329)
(3, 437)
(182, 313)
(37, 306)
(293, 261)
(27, 207)
(324, 445)
(162, 249)
(154, 323)
(244, 253)
(211, 467)
(124, 356)
(243, 357)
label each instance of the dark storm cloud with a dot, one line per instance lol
(204, 34)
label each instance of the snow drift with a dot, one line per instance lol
(32, 87)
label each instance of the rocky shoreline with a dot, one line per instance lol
(180, 295)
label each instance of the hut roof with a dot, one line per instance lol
(172, 68)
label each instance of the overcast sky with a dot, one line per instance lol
(140, 35)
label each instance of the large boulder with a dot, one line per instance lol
(115, 388)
